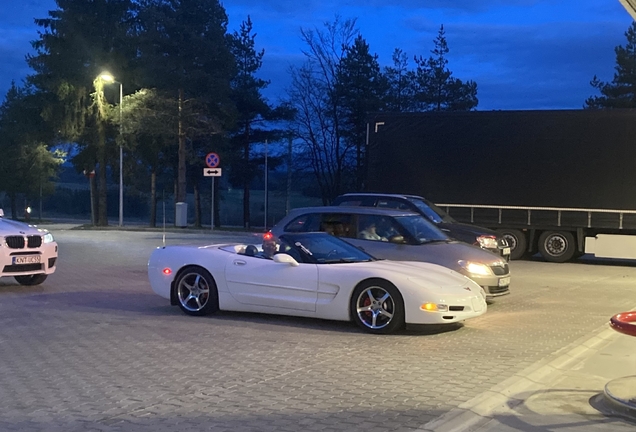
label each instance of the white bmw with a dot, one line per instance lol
(313, 275)
(27, 253)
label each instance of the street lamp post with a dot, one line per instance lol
(110, 79)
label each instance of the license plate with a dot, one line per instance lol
(505, 251)
(505, 281)
(27, 259)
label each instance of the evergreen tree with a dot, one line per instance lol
(78, 41)
(399, 96)
(256, 117)
(149, 129)
(27, 166)
(436, 88)
(360, 87)
(184, 52)
(621, 91)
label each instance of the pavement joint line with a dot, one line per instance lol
(473, 414)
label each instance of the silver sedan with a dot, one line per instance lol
(402, 236)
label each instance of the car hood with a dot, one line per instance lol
(9, 227)
(444, 253)
(432, 273)
(466, 230)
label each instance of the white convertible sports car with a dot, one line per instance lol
(27, 253)
(313, 275)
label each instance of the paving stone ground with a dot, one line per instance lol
(93, 349)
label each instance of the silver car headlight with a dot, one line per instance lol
(487, 242)
(48, 238)
(475, 268)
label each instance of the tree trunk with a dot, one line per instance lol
(197, 206)
(175, 201)
(246, 178)
(93, 188)
(153, 198)
(181, 184)
(102, 219)
(289, 175)
(14, 205)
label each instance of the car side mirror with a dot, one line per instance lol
(285, 259)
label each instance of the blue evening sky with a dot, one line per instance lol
(523, 54)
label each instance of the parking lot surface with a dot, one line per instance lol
(94, 349)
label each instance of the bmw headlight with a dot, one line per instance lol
(487, 242)
(475, 268)
(48, 238)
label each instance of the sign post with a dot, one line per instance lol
(212, 160)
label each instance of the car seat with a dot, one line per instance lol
(251, 250)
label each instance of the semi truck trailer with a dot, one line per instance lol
(558, 182)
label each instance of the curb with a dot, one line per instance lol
(620, 394)
(473, 414)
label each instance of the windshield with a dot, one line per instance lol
(431, 211)
(421, 229)
(322, 249)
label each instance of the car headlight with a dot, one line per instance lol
(487, 242)
(48, 238)
(475, 268)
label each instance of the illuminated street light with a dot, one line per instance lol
(108, 78)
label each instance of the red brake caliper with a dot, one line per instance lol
(365, 303)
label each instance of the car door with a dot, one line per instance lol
(263, 282)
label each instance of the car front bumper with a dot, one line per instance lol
(460, 308)
(494, 285)
(41, 260)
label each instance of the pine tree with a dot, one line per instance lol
(436, 88)
(27, 166)
(256, 117)
(78, 41)
(621, 91)
(399, 96)
(184, 51)
(360, 87)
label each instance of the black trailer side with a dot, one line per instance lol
(517, 171)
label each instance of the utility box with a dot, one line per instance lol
(181, 215)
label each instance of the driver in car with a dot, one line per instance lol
(269, 247)
(369, 232)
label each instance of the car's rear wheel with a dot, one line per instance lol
(377, 307)
(31, 279)
(196, 291)
(517, 241)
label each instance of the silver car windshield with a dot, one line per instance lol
(421, 230)
(431, 211)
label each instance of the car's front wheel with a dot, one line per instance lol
(31, 279)
(196, 291)
(377, 307)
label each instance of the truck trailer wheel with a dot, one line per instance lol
(557, 246)
(517, 241)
